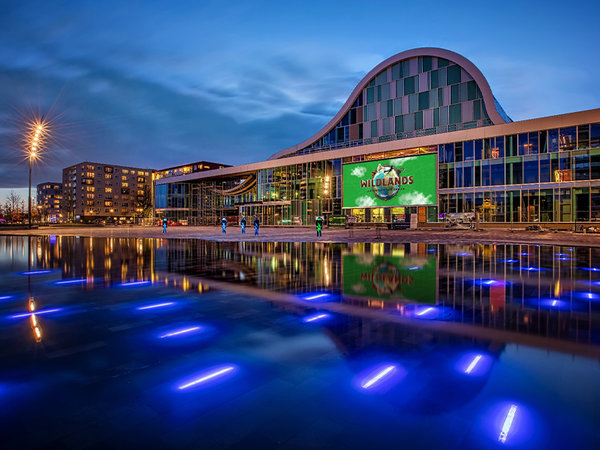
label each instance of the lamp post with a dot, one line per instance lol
(37, 133)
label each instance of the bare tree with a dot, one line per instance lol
(13, 202)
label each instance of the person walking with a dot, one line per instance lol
(243, 225)
(319, 225)
(256, 225)
(224, 225)
(164, 223)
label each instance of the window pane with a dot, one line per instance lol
(419, 120)
(583, 136)
(426, 63)
(455, 94)
(468, 153)
(471, 90)
(453, 75)
(399, 124)
(409, 85)
(595, 135)
(434, 82)
(374, 128)
(413, 103)
(455, 114)
(423, 101)
(567, 138)
(370, 95)
(530, 169)
(477, 110)
(552, 141)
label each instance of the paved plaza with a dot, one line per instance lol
(308, 234)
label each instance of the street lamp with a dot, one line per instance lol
(36, 137)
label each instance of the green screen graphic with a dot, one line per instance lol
(390, 182)
(389, 278)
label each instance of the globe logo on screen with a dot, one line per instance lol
(386, 182)
(386, 278)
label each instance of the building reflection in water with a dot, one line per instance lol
(548, 291)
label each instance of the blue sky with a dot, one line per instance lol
(156, 84)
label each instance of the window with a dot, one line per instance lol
(530, 169)
(595, 135)
(567, 139)
(453, 75)
(434, 80)
(583, 136)
(374, 128)
(455, 94)
(399, 124)
(425, 63)
(455, 114)
(410, 85)
(419, 120)
(423, 101)
(468, 153)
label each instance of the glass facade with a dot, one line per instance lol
(416, 97)
(537, 177)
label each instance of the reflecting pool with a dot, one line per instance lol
(199, 344)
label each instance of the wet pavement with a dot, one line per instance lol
(183, 343)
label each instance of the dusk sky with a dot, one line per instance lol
(157, 84)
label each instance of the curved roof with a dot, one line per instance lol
(494, 110)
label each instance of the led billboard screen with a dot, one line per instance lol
(408, 181)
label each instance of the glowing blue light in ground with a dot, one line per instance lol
(316, 317)
(524, 254)
(431, 250)
(509, 261)
(590, 269)
(414, 268)
(490, 282)
(425, 312)
(564, 258)
(180, 332)
(155, 306)
(561, 254)
(532, 269)
(6, 297)
(473, 364)
(507, 424)
(375, 379)
(464, 254)
(586, 295)
(316, 296)
(570, 249)
(37, 313)
(554, 303)
(68, 282)
(135, 283)
(207, 377)
(36, 272)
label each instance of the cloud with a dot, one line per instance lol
(359, 288)
(414, 198)
(359, 171)
(398, 162)
(365, 201)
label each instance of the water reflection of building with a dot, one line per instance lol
(287, 266)
(475, 286)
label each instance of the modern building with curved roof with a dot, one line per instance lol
(423, 133)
